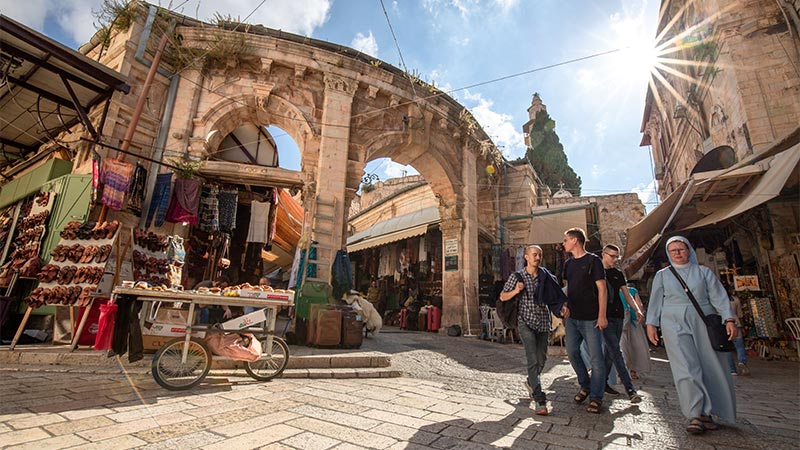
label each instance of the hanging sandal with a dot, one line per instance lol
(594, 407)
(581, 396)
(708, 423)
(695, 426)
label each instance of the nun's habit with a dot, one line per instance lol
(700, 374)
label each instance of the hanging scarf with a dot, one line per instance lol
(185, 202)
(136, 190)
(116, 181)
(209, 208)
(160, 201)
(228, 203)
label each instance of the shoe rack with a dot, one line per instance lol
(150, 262)
(76, 267)
(28, 235)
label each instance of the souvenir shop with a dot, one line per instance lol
(62, 247)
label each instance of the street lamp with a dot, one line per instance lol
(680, 113)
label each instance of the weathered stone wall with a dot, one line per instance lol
(415, 198)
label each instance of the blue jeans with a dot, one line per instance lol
(579, 331)
(535, 343)
(613, 355)
(741, 353)
(612, 372)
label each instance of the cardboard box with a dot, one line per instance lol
(175, 316)
(153, 343)
(169, 330)
(287, 297)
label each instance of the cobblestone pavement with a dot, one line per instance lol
(458, 393)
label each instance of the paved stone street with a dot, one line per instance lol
(457, 393)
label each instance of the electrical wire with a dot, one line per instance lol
(397, 45)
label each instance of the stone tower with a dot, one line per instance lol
(536, 106)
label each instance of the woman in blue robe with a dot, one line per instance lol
(700, 374)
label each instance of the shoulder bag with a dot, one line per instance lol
(509, 310)
(717, 333)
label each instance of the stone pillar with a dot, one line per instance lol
(469, 250)
(330, 209)
(452, 280)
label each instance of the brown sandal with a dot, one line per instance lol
(581, 396)
(594, 407)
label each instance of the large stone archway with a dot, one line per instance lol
(342, 110)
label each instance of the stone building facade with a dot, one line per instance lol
(729, 113)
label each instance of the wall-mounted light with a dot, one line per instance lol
(679, 112)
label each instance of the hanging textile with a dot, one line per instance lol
(259, 222)
(160, 201)
(185, 202)
(273, 217)
(423, 254)
(209, 208)
(95, 176)
(117, 178)
(341, 274)
(227, 203)
(136, 190)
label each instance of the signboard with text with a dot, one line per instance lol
(451, 247)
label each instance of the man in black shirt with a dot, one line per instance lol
(586, 294)
(616, 318)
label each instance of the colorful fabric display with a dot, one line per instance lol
(117, 179)
(136, 190)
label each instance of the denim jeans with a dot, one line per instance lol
(741, 353)
(613, 355)
(535, 343)
(579, 331)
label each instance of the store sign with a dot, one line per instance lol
(450, 263)
(451, 247)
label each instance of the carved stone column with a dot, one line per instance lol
(452, 275)
(330, 219)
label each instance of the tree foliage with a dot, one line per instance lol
(547, 156)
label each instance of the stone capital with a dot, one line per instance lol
(451, 227)
(344, 85)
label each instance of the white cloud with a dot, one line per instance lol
(600, 131)
(647, 194)
(365, 44)
(505, 5)
(395, 170)
(598, 170)
(464, 7)
(498, 126)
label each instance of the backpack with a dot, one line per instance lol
(508, 310)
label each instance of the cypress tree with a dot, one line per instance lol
(546, 155)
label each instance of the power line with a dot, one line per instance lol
(397, 45)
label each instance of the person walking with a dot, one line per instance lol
(634, 342)
(541, 295)
(612, 334)
(587, 295)
(738, 341)
(704, 385)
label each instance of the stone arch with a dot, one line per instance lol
(229, 113)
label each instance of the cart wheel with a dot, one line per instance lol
(171, 374)
(269, 367)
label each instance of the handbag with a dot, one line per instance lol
(240, 347)
(717, 333)
(508, 310)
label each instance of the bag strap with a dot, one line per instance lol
(520, 279)
(689, 293)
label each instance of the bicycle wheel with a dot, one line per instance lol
(269, 367)
(170, 373)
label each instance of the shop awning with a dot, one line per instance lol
(49, 88)
(768, 187)
(711, 197)
(394, 229)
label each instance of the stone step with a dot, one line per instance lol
(61, 356)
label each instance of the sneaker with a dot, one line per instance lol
(733, 374)
(540, 409)
(611, 391)
(634, 397)
(530, 390)
(743, 369)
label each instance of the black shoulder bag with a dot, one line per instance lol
(509, 310)
(717, 333)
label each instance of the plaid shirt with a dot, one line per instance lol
(535, 315)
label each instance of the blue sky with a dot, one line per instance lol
(597, 103)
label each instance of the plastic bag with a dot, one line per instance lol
(241, 347)
(105, 326)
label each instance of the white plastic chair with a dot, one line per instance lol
(486, 320)
(794, 327)
(498, 329)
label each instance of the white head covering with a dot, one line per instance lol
(692, 254)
